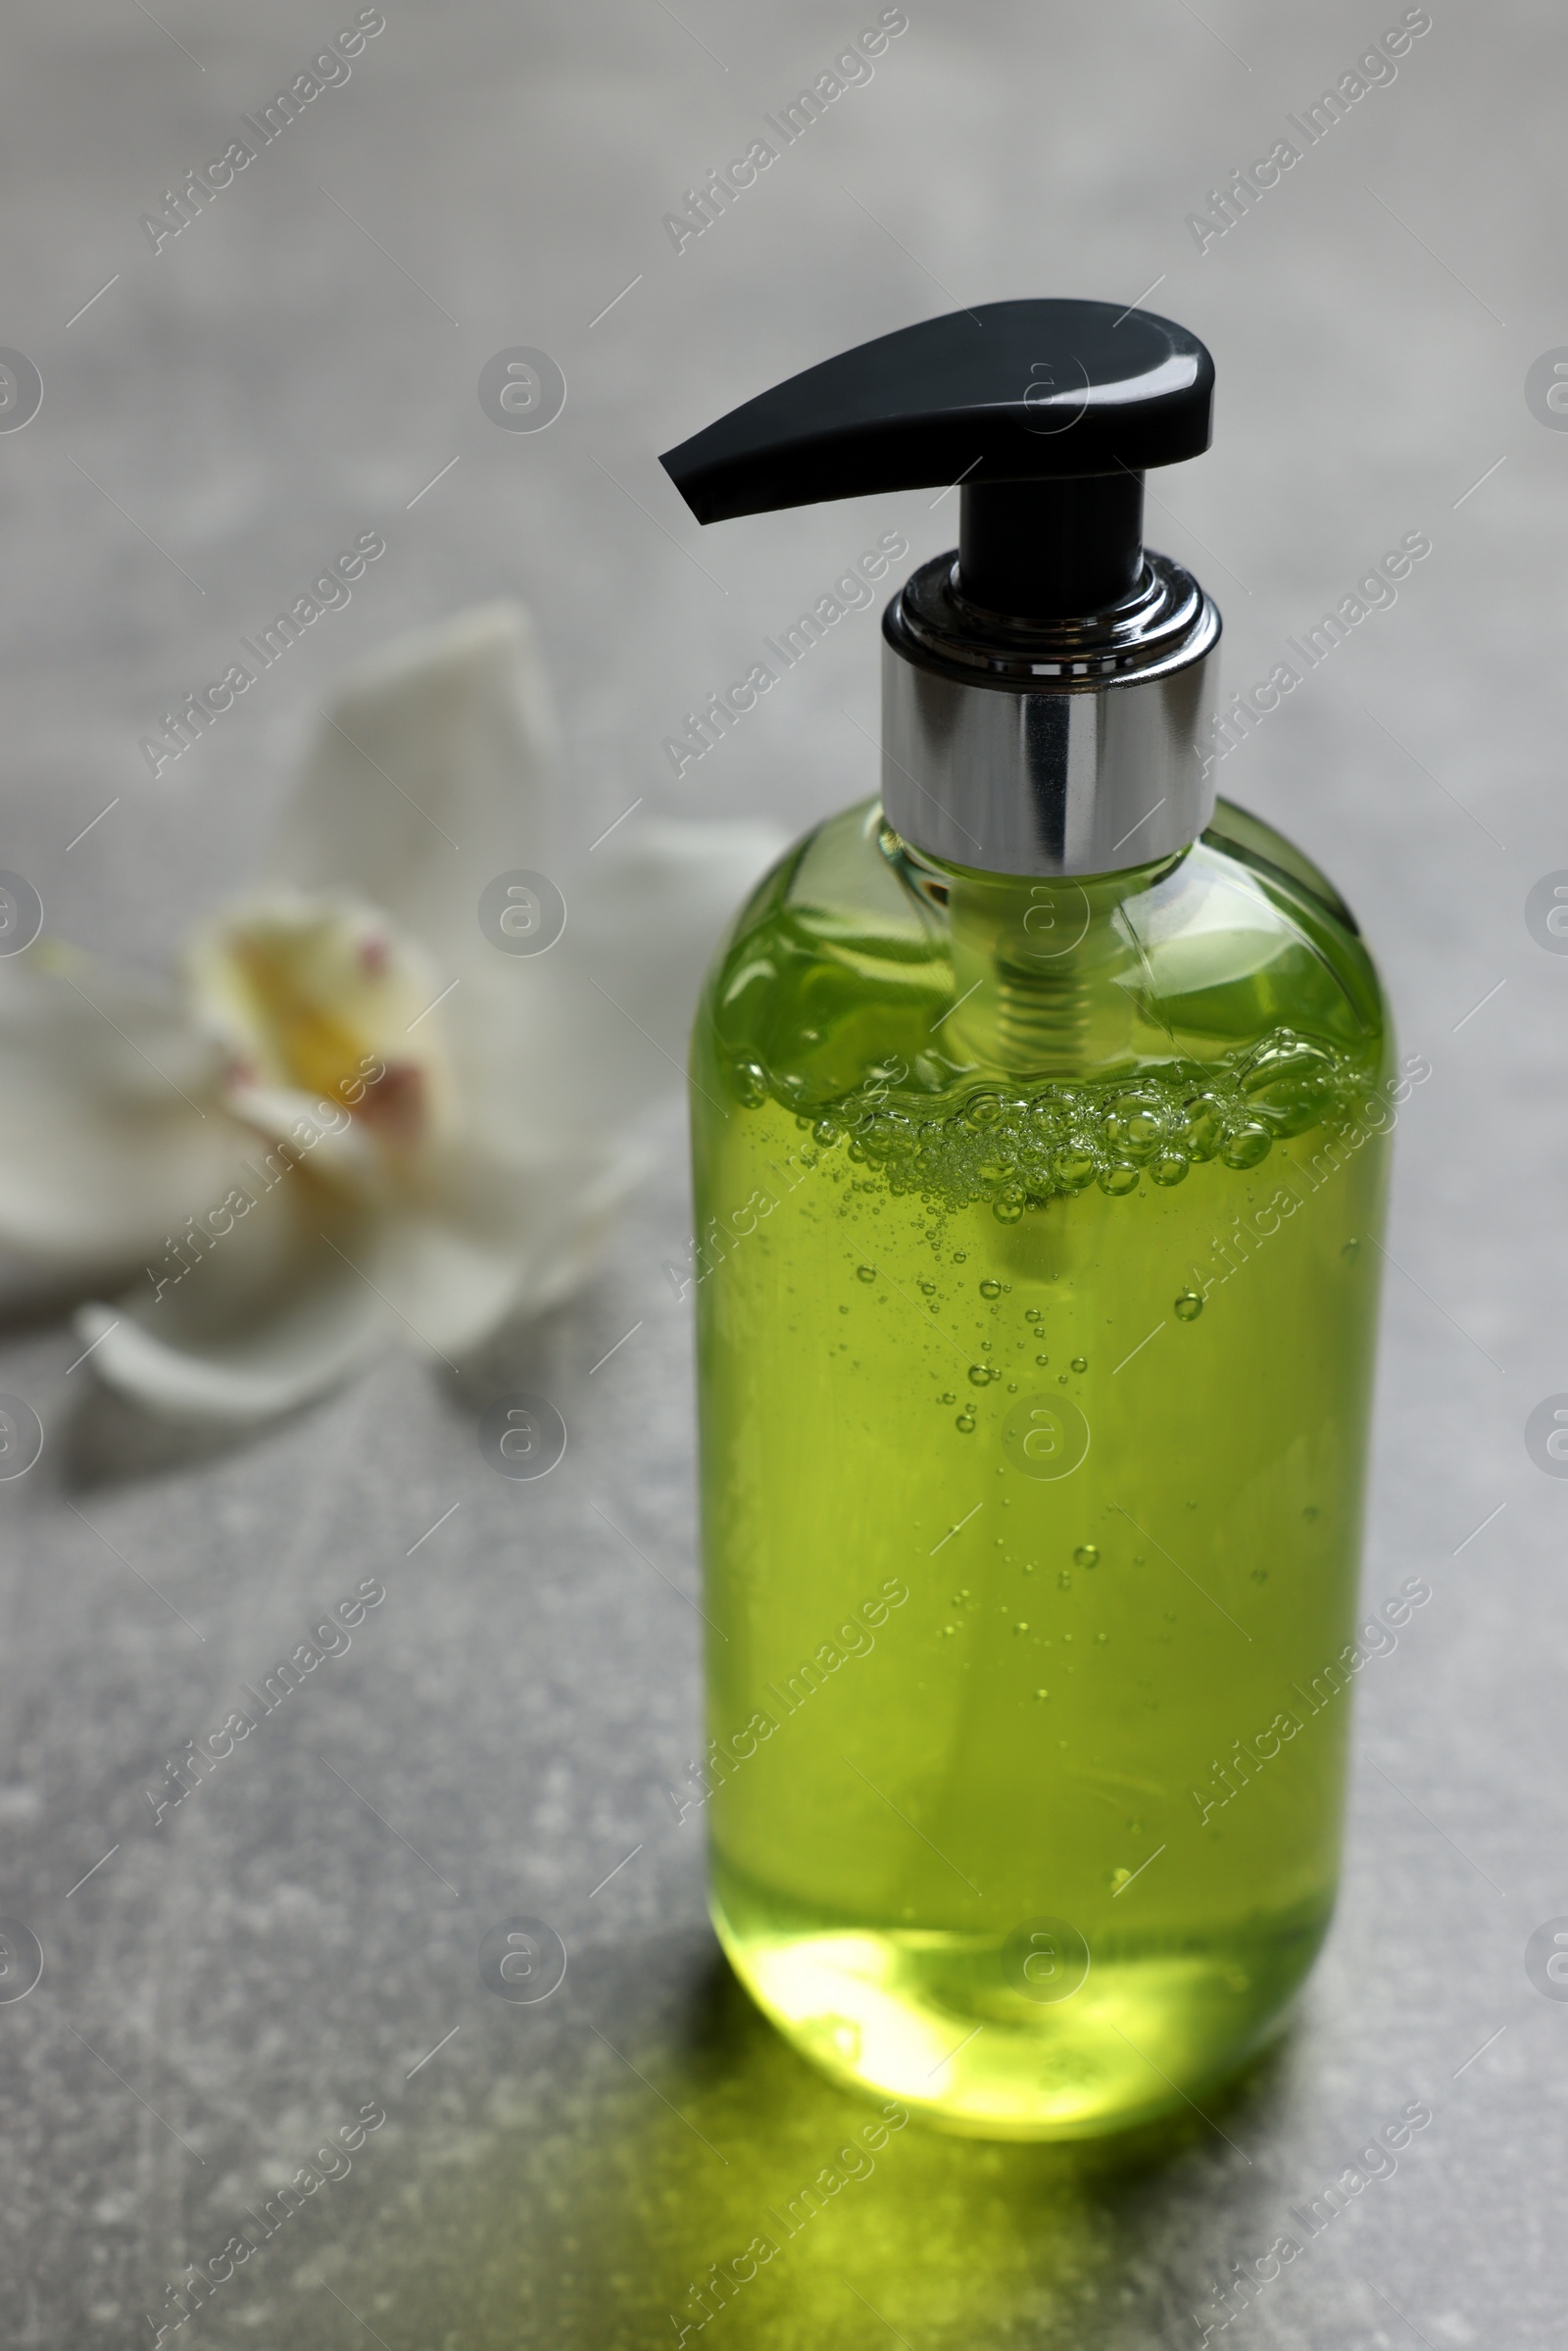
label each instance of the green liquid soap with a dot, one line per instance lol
(1035, 1355)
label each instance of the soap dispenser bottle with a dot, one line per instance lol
(1041, 1110)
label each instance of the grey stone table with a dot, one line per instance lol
(297, 1946)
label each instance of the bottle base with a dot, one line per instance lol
(928, 2018)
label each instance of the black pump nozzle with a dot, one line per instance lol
(1049, 414)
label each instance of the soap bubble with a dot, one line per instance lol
(1073, 1166)
(1288, 1081)
(1246, 1145)
(1204, 1126)
(1134, 1125)
(1016, 1152)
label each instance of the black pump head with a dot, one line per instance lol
(1047, 413)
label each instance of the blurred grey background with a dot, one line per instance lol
(294, 367)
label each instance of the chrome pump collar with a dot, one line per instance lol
(1048, 747)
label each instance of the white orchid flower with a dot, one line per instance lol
(367, 1118)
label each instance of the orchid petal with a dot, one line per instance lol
(500, 1237)
(596, 1029)
(114, 1128)
(300, 1291)
(431, 772)
(278, 1312)
(373, 1123)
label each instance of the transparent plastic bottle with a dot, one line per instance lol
(1037, 1284)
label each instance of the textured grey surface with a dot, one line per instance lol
(228, 1988)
